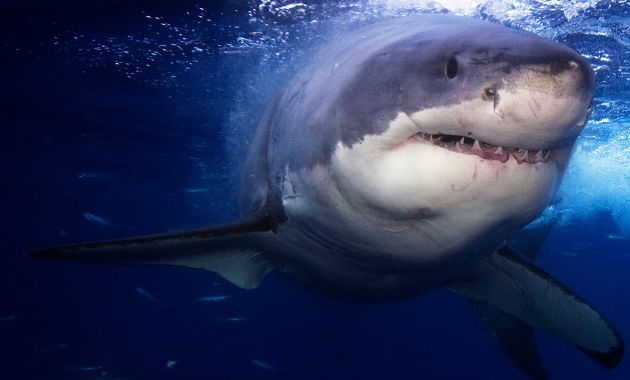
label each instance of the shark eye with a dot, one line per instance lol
(490, 92)
(451, 68)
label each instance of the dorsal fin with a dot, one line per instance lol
(517, 286)
(232, 250)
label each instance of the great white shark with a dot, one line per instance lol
(402, 159)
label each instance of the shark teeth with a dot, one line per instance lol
(524, 154)
(467, 145)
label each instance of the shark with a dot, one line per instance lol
(402, 159)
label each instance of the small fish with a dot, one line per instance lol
(96, 175)
(85, 368)
(233, 319)
(213, 299)
(197, 190)
(99, 220)
(8, 317)
(144, 293)
(171, 364)
(618, 237)
(52, 348)
(264, 365)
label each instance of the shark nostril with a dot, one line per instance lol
(558, 67)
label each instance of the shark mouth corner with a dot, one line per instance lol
(467, 145)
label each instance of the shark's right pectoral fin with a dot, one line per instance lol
(230, 250)
(515, 285)
(515, 338)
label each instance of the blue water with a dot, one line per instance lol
(139, 115)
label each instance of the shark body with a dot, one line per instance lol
(401, 160)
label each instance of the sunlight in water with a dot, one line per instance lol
(598, 178)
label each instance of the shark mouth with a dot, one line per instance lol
(467, 145)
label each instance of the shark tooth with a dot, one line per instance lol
(525, 156)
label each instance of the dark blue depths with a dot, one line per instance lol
(146, 153)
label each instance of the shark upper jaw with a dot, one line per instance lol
(467, 145)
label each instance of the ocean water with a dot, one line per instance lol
(121, 119)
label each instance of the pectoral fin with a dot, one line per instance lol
(230, 250)
(515, 337)
(517, 286)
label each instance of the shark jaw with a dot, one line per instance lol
(467, 145)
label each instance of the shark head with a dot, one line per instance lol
(450, 133)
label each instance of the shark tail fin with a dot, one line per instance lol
(515, 285)
(232, 250)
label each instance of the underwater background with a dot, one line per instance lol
(124, 118)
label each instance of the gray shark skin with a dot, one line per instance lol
(401, 160)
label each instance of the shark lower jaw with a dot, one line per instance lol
(467, 145)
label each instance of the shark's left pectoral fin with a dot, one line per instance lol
(515, 285)
(230, 250)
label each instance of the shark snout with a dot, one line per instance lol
(551, 101)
